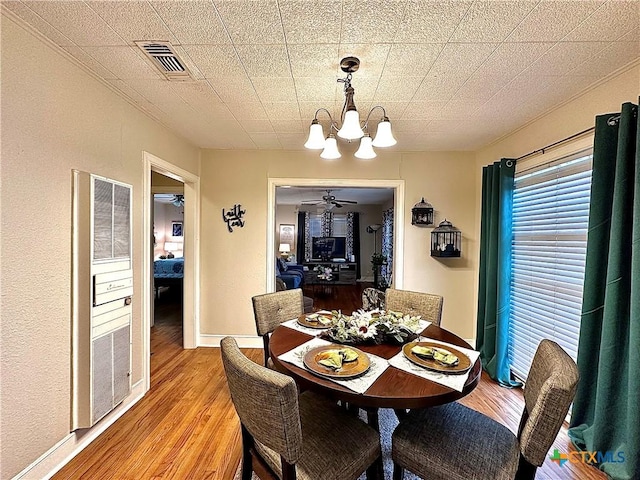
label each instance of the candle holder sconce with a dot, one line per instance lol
(422, 214)
(446, 240)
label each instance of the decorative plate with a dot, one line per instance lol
(463, 365)
(310, 320)
(349, 369)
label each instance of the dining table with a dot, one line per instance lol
(396, 388)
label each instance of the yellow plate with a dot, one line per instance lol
(306, 321)
(349, 369)
(463, 365)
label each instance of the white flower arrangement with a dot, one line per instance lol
(324, 273)
(376, 326)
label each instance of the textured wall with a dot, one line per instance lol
(233, 265)
(56, 118)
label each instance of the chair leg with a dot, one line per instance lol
(376, 470)
(526, 470)
(247, 464)
(398, 471)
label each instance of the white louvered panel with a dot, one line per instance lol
(102, 291)
(102, 220)
(550, 221)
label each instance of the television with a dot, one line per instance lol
(328, 248)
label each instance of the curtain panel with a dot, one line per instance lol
(387, 246)
(492, 332)
(605, 416)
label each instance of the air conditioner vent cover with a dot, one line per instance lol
(165, 59)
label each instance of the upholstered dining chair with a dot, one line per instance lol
(457, 443)
(427, 305)
(372, 299)
(287, 436)
(271, 309)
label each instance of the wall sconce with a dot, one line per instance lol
(445, 240)
(422, 213)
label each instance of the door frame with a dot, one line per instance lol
(191, 285)
(398, 218)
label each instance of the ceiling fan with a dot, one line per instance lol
(329, 201)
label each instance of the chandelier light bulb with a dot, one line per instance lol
(316, 136)
(384, 137)
(366, 150)
(330, 151)
(351, 129)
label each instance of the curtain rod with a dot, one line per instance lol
(542, 150)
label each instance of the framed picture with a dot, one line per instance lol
(287, 234)
(176, 229)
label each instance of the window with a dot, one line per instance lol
(550, 220)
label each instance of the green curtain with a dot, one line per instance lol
(606, 410)
(492, 332)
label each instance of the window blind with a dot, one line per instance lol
(550, 220)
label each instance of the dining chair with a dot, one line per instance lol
(427, 305)
(372, 299)
(271, 309)
(454, 442)
(289, 437)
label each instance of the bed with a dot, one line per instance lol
(168, 273)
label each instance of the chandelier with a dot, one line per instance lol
(351, 128)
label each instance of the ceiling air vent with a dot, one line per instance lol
(166, 60)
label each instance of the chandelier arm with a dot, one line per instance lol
(333, 124)
(366, 122)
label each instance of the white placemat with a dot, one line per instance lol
(294, 325)
(423, 324)
(359, 384)
(455, 382)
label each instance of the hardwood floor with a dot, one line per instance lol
(186, 426)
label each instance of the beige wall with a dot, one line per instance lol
(55, 118)
(570, 118)
(233, 265)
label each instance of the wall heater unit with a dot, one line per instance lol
(101, 297)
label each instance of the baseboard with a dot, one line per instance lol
(244, 341)
(50, 462)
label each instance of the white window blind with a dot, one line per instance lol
(550, 220)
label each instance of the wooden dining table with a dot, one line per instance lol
(395, 388)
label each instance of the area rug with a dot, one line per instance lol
(388, 422)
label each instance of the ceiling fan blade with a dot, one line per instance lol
(312, 202)
(347, 201)
(337, 204)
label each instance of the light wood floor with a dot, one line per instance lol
(186, 427)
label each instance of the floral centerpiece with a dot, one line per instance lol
(376, 326)
(324, 273)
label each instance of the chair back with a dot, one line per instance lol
(372, 298)
(266, 402)
(427, 305)
(548, 393)
(271, 309)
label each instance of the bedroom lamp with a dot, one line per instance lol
(171, 247)
(352, 128)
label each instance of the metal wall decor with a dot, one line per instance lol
(446, 240)
(233, 218)
(422, 214)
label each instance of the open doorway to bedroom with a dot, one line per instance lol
(168, 259)
(329, 235)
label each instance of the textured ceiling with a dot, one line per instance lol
(452, 75)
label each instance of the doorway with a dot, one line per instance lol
(304, 186)
(190, 227)
(168, 260)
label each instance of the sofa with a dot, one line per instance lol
(291, 275)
